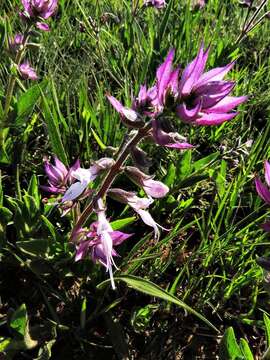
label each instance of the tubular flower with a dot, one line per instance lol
(139, 205)
(59, 176)
(84, 177)
(153, 188)
(204, 97)
(99, 243)
(128, 116)
(171, 139)
(263, 191)
(158, 4)
(27, 72)
(39, 8)
(14, 43)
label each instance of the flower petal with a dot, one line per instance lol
(267, 172)
(74, 191)
(215, 74)
(227, 104)
(262, 190)
(214, 119)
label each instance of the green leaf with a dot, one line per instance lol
(246, 350)
(54, 132)
(19, 320)
(121, 223)
(83, 313)
(267, 328)
(98, 140)
(229, 349)
(5, 215)
(33, 189)
(2, 36)
(206, 161)
(149, 288)
(4, 343)
(36, 247)
(45, 352)
(28, 100)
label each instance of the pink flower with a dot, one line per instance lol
(59, 176)
(99, 243)
(263, 191)
(171, 139)
(128, 116)
(139, 205)
(158, 4)
(39, 8)
(15, 43)
(204, 97)
(42, 26)
(152, 188)
(27, 72)
(84, 177)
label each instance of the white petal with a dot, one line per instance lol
(74, 191)
(83, 175)
(148, 220)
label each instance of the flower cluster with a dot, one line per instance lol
(34, 13)
(35, 10)
(193, 95)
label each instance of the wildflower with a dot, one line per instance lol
(42, 26)
(59, 176)
(171, 139)
(263, 190)
(128, 116)
(139, 205)
(158, 4)
(84, 177)
(204, 97)
(198, 4)
(165, 88)
(100, 242)
(27, 72)
(16, 42)
(39, 8)
(153, 188)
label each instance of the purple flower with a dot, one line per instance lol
(198, 4)
(158, 4)
(152, 188)
(99, 243)
(262, 189)
(39, 8)
(171, 139)
(84, 177)
(14, 43)
(59, 176)
(204, 97)
(27, 72)
(42, 26)
(139, 205)
(128, 116)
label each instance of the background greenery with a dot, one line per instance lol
(208, 258)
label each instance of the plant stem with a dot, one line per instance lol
(111, 175)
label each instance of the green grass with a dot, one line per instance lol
(207, 260)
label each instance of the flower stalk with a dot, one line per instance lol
(112, 174)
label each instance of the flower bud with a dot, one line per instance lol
(153, 188)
